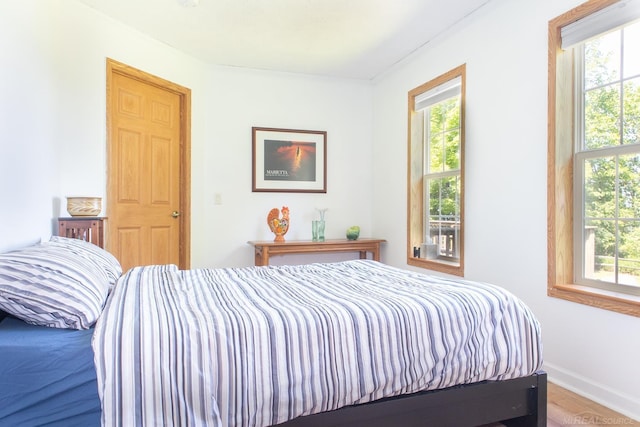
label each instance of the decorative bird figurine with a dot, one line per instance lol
(279, 226)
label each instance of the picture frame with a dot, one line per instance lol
(289, 160)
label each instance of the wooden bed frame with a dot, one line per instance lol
(517, 402)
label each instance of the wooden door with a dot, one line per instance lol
(148, 168)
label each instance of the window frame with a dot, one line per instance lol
(560, 175)
(416, 172)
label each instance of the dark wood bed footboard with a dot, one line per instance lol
(517, 402)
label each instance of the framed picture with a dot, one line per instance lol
(289, 160)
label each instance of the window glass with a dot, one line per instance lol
(609, 162)
(602, 110)
(444, 217)
(631, 64)
(631, 106)
(435, 216)
(602, 60)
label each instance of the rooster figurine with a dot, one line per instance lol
(279, 226)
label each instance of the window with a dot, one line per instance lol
(594, 155)
(436, 174)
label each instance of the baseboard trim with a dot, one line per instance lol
(623, 403)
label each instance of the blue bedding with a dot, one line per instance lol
(47, 376)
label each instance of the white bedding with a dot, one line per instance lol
(257, 346)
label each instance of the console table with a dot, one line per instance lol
(265, 249)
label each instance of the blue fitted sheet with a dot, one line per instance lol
(47, 376)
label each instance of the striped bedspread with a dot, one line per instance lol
(258, 346)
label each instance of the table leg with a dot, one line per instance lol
(376, 253)
(261, 256)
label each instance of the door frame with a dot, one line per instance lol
(115, 67)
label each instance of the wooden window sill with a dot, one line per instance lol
(455, 269)
(608, 300)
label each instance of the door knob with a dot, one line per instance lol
(175, 214)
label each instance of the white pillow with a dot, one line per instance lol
(49, 285)
(93, 253)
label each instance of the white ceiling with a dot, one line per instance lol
(347, 38)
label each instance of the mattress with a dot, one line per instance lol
(258, 346)
(47, 376)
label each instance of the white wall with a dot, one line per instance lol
(56, 107)
(504, 45)
(240, 99)
(28, 155)
(53, 107)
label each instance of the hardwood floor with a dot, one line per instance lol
(567, 409)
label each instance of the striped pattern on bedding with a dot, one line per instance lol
(50, 285)
(257, 346)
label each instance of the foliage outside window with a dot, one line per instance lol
(435, 177)
(594, 164)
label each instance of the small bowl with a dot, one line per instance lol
(84, 206)
(353, 232)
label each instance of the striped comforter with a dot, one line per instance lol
(258, 346)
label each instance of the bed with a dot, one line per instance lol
(348, 343)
